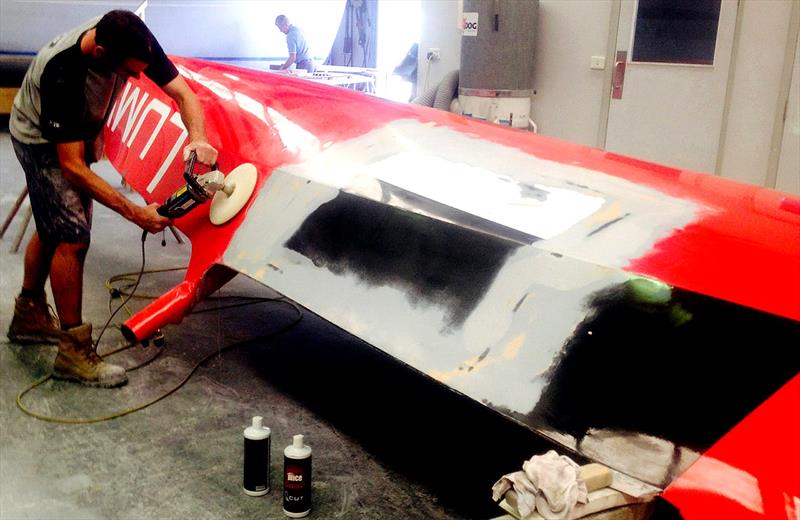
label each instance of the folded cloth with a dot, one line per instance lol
(549, 484)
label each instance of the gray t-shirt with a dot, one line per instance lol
(296, 42)
(64, 98)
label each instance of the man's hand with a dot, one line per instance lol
(206, 153)
(148, 219)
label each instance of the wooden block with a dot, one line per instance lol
(7, 99)
(596, 476)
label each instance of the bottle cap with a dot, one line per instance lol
(298, 449)
(257, 431)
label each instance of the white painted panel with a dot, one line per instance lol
(568, 96)
(789, 165)
(672, 114)
(754, 91)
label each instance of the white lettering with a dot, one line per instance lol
(126, 104)
(158, 107)
(116, 105)
(175, 120)
(137, 112)
(134, 113)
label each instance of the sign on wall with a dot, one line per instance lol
(469, 24)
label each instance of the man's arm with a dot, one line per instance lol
(291, 59)
(192, 117)
(71, 158)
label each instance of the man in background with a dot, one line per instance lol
(57, 117)
(299, 53)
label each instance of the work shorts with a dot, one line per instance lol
(61, 211)
(308, 65)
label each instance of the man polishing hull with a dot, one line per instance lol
(55, 122)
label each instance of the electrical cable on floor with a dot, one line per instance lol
(135, 286)
(427, 73)
(127, 297)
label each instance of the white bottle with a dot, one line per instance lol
(256, 458)
(297, 478)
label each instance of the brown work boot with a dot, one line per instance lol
(78, 361)
(34, 322)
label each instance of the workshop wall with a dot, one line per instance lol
(759, 139)
(440, 31)
(760, 135)
(234, 30)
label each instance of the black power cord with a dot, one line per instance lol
(126, 299)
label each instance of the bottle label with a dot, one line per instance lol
(296, 485)
(256, 464)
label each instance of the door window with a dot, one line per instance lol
(676, 31)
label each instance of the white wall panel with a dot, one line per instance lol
(753, 97)
(27, 25)
(200, 28)
(569, 94)
(439, 30)
(789, 164)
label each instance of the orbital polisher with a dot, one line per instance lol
(230, 193)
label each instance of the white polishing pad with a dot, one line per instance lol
(240, 183)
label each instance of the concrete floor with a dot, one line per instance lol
(388, 442)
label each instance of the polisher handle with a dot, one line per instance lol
(188, 168)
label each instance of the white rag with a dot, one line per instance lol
(549, 484)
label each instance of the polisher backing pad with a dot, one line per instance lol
(239, 186)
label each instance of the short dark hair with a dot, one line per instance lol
(281, 19)
(124, 35)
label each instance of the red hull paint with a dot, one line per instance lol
(743, 247)
(745, 230)
(743, 477)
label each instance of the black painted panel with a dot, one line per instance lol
(434, 262)
(686, 370)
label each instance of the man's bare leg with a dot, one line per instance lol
(66, 280)
(38, 257)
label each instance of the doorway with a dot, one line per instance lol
(670, 78)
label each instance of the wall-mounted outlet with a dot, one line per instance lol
(434, 54)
